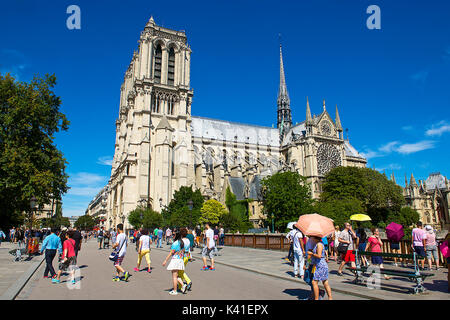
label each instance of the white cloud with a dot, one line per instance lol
(415, 147)
(86, 178)
(106, 161)
(84, 191)
(391, 166)
(389, 147)
(438, 129)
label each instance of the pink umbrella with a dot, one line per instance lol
(394, 232)
(315, 225)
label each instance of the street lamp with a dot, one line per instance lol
(273, 216)
(33, 207)
(190, 206)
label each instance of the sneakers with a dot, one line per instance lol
(73, 281)
(116, 278)
(183, 288)
(45, 277)
(149, 270)
(204, 268)
(136, 269)
(55, 280)
(173, 293)
(212, 269)
(126, 276)
(189, 286)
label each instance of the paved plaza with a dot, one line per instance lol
(241, 274)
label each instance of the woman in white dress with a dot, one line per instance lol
(176, 263)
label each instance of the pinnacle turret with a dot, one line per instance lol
(338, 120)
(412, 181)
(308, 112)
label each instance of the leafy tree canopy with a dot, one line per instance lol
(30, 163)
(85, 222)
(286, 195)
(212, 210)
(237, 216)
(178, 213)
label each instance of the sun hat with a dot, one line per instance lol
(428, 228)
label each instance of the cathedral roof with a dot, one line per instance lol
(435, 181)
(350, 151)
(296, 130)
(234, 131)
(237, 186)
(164, 124)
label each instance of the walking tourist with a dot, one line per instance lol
(362, 244)
(298, 252)
(69, 260)
(187, 252)
(208, 249)
(50, 245)
(395, 248)
(221, 236)
(168, 236)
(290, 256)
(346, 239)
(113, 236)
(144, 250)
(176, 264)
(320, 268)
(78, 240)
(160, 236)
(418, 237)
(335, 237)
(190, 237)
(2, 236)
(155, 236)
(100, 235)
(121, 244)
(447, 239)
(431, 247)
(374, 244)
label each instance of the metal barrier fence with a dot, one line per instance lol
(278, 241)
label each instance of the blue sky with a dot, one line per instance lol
(391, 85)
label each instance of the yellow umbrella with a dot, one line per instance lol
(360, 217)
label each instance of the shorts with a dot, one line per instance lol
(395, 246)
(420, 251)
(71, 261)
(432, 252)
(99, 239)
(118, 262)
(208, 252)
(349, 256)
(362, 246)
(377, 260)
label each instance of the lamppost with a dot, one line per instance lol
(33, 207)
(273, 217)
(190, 206)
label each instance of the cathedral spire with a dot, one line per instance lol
(308, 112)
(283, 102)
(406, 181)
(338, 120)
(324, 107)
(412, 181)
(393, 178)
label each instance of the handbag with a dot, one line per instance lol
(309, 274)
(115, 254)
(342, 248)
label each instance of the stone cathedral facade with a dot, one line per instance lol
(160, 146)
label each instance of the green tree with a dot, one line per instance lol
(178, 213)
(406, 217)
(30, 163)
(136, 217)
(237, 217)
(339, 210)
(286, 196)
(152, 219)
(212, 210)
(85, 222)
(378, 195)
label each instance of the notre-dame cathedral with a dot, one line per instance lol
(160, 146)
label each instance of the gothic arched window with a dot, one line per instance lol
(158, 63)
(171, 68)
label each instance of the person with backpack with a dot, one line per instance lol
(176, 264)
(100, 235)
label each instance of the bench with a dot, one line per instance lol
(415, 275)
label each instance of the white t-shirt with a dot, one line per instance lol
(336, 238)
(187, 245)
(297, 236)
(145, 242)
(210, 234)
(122, 241)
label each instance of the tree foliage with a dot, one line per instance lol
(237, 217)
(178, 213)
(212, 210)
(30, 163)
(85, 222)
(145, 217)
(286, 196)
(379, 197)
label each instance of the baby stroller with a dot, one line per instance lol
(106, 242)
(18, 253)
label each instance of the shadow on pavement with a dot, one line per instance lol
(299, 293)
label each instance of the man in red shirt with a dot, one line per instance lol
(69, 259)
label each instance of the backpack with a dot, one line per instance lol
(100, 234)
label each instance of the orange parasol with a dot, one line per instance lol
(315, 225)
